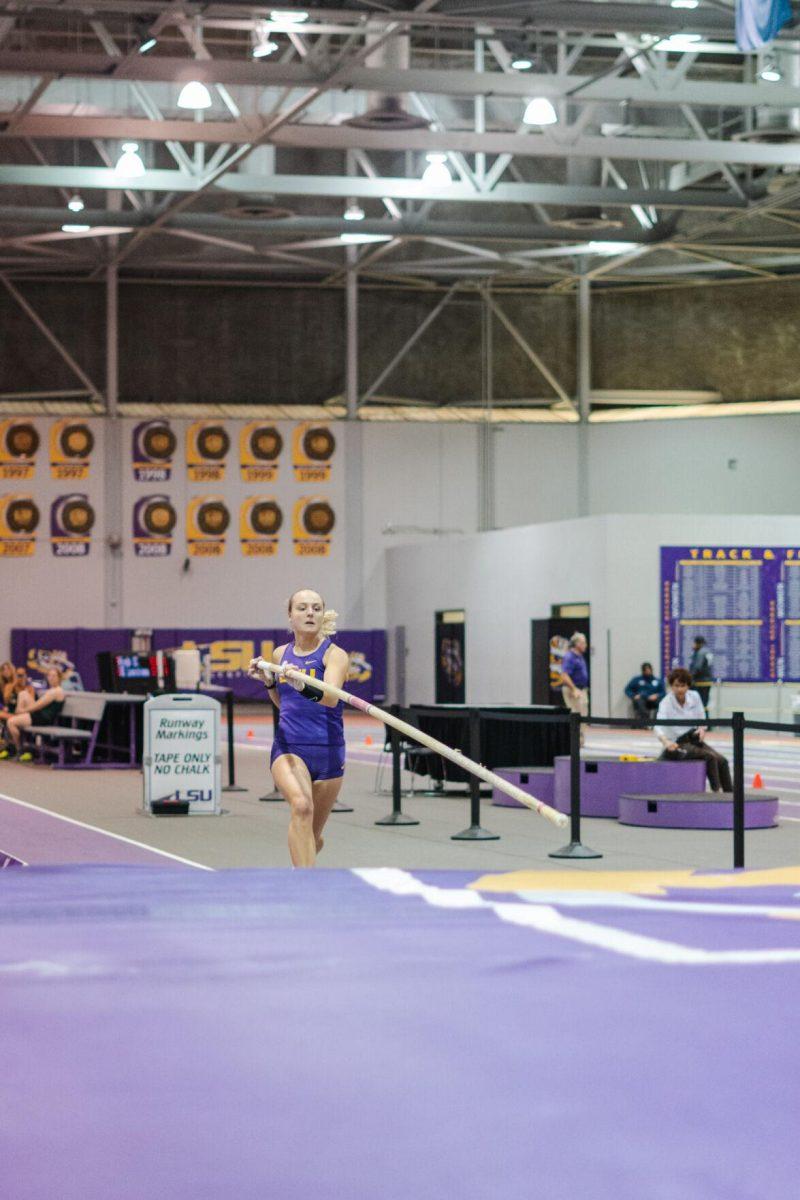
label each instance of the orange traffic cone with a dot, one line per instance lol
(250, 733)
(367, 740)
(758, 782)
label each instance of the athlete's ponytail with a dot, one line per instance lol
(329, 618)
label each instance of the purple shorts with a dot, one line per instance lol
(323, 761)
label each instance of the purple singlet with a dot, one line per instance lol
(310, 731)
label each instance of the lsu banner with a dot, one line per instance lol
(19, 520)
(153, 449)
(207, 446)
(19, 441)
(259, 450)
(312, 525)
(207, 519)
(260, 520)
(313, 447)
(154, 519)
(71, 445)
(71, 521)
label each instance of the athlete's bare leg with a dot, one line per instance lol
(325, 793)
(293, 781)
(15, 725)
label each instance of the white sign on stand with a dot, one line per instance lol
(181, 752)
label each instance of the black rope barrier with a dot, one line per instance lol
(396, 816)
(475, 831)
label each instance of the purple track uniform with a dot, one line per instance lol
(310, 731)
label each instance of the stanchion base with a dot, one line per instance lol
(395, 818)
(475, 833)
(271, 796)
(234, 787)
(339, 807)
(574, 850)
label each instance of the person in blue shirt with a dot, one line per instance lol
(646, 691)
(574, 678)
(308, 751)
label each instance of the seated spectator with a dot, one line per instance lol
(688, 741)
(646, 691)
(11, 691)
(47, 709)
(7, 676)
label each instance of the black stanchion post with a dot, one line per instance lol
(738, 789)
(231, 785)
(575, 849)
(274, 794)
(396, 816)
(475, 833)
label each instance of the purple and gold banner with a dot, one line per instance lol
(75, 650)
(154, 519)
(745, 602)
(72, 519)
(19, 441)
(153, 450)
(71, 445)
(207, 446)
(19, 520)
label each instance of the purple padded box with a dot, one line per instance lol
(538, 781)
(701, 810)
(603, 780)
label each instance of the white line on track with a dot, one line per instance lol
(106, 832)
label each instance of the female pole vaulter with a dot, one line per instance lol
(308, 753)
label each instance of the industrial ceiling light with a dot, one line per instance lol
(194, 94)
(609, 247)
(130, 163)
(354, 211)
(539, 111)
(71, 228)
(521, 62)
(263, 44)
(437, 173)
(144, 35)
(684, 3)
(288, 16)
(75, 203)
(358, 239)
(770, 71)
(679, 41)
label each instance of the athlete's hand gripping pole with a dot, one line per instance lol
(544, 810)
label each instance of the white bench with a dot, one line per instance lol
(77, 707)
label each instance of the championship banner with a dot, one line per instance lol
(19, 520)
(71, 445)
(312, 524)
(260, 520)
(71, 520)
(19, 441)
(207, 445)
(259, 450)
(313, 446)
(153, 449)
(154, 519)
(207, 519)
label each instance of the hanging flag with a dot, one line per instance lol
(759, 21)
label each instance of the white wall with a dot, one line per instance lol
(505, 578)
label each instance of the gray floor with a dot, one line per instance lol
(253, 834)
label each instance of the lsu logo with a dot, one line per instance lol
(313, 447)
(207, 446)
(19, 441)
(71, 522)
(19, 520)
(154, 519)
(154, 446)
(260, 520)
(358, 669)
(207, 520)
(71, 445)
(259, 450)
(312, 525)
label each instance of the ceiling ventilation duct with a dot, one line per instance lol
(386, 111)
(585, 172)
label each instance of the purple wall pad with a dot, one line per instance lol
(39, 839)
(701, 810)
(538, 781)
(603, 780)
(177, 1034)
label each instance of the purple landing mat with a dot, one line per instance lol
(40, 838)
(538, 781)
(701, 810)
(261, 1034)
(603, 780)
